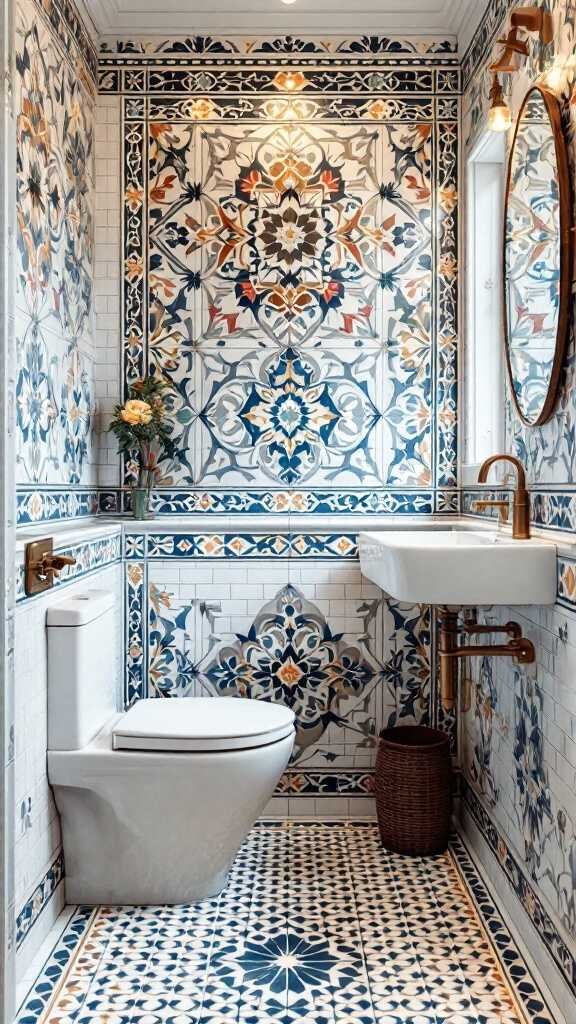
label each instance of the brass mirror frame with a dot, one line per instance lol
(554, 112)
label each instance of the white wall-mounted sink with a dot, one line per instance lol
(459, 567)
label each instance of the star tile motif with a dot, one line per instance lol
(317, 925)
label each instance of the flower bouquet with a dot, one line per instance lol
(142, 429)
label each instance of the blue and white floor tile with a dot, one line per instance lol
(319, 925)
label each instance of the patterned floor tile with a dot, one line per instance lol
(317, 925)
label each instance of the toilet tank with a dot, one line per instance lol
(82, 692)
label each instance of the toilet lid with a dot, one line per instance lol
(201, 723)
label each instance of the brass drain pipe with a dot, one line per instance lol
(449, 649)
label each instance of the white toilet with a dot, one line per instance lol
(156, 801)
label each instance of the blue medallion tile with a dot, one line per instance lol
(316, 924)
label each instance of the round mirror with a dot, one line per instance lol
(537, 256)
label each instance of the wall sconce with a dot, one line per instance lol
(529, 19)
(512, 46)
(533, 20)
(499, 116)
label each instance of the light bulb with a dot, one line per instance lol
(288, 1)
(499, 116)
(555, 78)
(499, 119)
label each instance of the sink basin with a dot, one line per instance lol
(459, 567)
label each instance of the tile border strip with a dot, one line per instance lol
(46, 985)
(552, 508)
(510, 960)
(483, 38)
(298, 782)
(37, 505)
(69, 28)
(304, 46)
(237, 545)
(193, 501)
(39, 900)
(566, 583)
(527, 896)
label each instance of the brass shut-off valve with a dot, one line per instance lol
(41, 565)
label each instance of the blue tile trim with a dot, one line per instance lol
(505, 948)
(552, 508)
(239, 545)
(167, 502)
(38, 901)
(566, 593)
(135, 664)
(91, 556)
(242, 545)
(35, 505)
(48, 981)
(309, 782)
(527, 895)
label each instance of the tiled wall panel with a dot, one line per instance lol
(519, 737)
(308, 632)
(290, 268)
(55, 99)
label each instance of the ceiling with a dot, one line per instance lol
(317, 17)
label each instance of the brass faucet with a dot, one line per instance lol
(520, 501)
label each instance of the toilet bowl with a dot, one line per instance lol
(154, 802)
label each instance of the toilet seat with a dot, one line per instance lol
(201, 724)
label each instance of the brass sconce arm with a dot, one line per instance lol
(534, 19)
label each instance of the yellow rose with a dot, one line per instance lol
(136, 412)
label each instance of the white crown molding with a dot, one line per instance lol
(312, 17)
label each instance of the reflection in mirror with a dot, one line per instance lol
(536, 257)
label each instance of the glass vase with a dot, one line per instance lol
(141, 502)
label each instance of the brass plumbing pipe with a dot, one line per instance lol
(449, 649)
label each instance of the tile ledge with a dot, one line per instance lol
(67, 533)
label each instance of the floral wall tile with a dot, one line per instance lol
(286, 286)
(55, 98)
(520, 730)
(347, 666)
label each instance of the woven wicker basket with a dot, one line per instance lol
(413, 790)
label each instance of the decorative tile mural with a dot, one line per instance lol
(55, 102)
(294, 279)
(255, 616)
